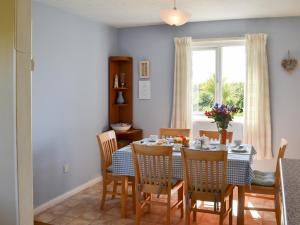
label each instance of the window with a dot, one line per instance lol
(219, 73)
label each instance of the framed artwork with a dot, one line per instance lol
(144, 69)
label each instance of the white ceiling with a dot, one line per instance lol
(125, 13)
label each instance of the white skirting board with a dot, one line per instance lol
(66, 195)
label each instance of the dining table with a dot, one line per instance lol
(239, 171)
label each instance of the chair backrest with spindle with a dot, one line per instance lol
(173, 132)
(281, 153)
(214, 135)
(153, 168)
(205, 173)
(107, 145)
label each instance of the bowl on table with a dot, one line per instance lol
(120, 127)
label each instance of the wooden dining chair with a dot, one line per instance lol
(205, 174)
(153, 170)
(108, 145)
(214, 135)
(173, 132)
(268, 183)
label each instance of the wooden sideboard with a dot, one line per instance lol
(125, 138)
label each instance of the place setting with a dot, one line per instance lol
(202, 143)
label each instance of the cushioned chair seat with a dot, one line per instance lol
(263, 178)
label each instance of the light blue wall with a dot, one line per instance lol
(70, 95)
(8, 175)
(155, 43)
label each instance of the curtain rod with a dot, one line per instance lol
(225, 39)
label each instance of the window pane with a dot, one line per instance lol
(233, 75)
(204, 77)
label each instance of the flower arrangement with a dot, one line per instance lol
(222, 115)
(181, 139)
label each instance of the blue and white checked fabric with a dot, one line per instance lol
(239, 170)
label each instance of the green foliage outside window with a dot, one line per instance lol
(204, 94)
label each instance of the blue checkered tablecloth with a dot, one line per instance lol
(239, 170)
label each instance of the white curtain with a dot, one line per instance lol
(257, 125)
(182, 105)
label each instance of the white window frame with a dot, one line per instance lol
(217, 44)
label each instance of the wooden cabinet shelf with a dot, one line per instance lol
(125, 138)
(120, 89)
(120, 58)
(120, 105)
(122, 113)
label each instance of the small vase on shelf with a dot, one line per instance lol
(116, 83)
(223, 136)
(120, 99)
(122, 80)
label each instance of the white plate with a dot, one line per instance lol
(239, 150)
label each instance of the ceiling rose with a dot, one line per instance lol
(175, 17)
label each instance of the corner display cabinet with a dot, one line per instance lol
(121, 98)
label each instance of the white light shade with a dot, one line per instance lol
(174, 17)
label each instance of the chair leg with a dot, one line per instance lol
(124, 196)
(187, 213)
(149, 205)
(169, 210)
(180, 198)
(137, 213)
(277, 209)
(230, 206)
(133, 197)
(221, 217)
(114, 189)
(194, 203)
(103, 194)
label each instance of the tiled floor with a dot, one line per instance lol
(84, 209)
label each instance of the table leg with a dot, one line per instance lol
(124, 196)
(241, 205)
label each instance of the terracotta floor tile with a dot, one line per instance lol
(91, 215)
(59, 209)
(70, 203)
(103, 220)
(80, 222)
(122, 222)
(97, 222)
(269, 223)
(269, 216)
(45, 217)
(75, 212)
(84, 209)
(147, 223)
(153, 218)
(62, 220)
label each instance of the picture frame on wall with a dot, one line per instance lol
(144, 89)
(144, 69)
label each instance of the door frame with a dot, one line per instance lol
(23, 32)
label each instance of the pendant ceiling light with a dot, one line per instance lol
(174, 17)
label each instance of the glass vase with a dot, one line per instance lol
(223, 136)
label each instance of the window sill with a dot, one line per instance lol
(201, 118)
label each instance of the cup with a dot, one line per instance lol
(153, 137)
(198, 144)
